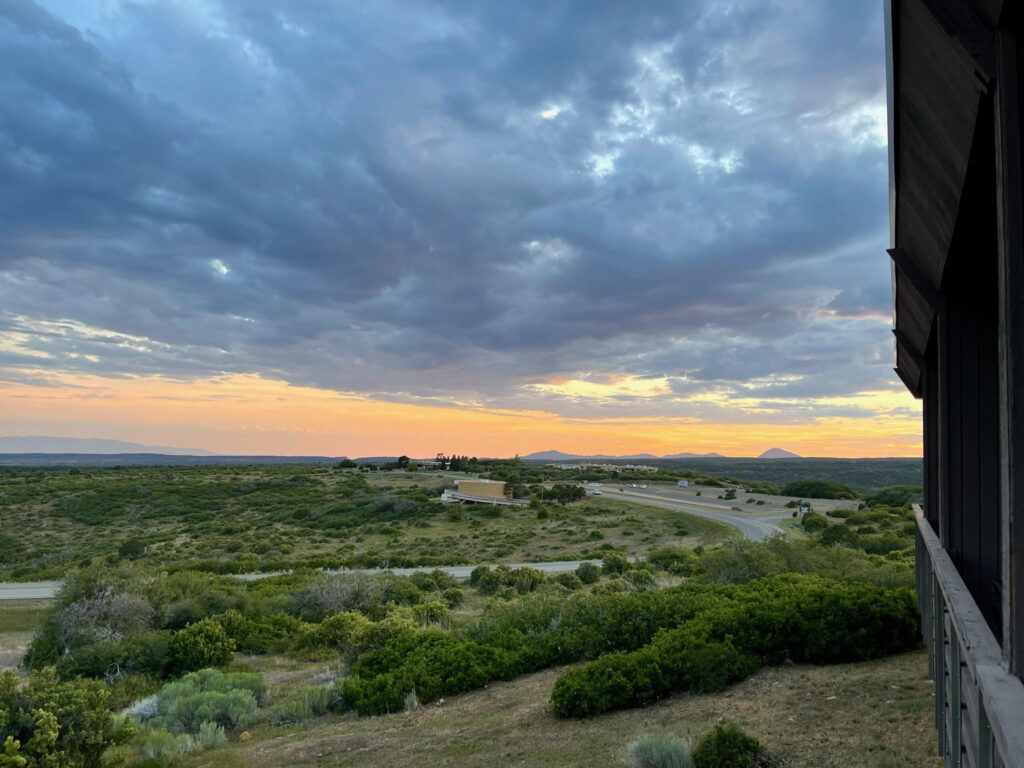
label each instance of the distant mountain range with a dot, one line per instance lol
(36, 444)
(95, 446)
(559, 456)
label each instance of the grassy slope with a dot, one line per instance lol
(18, 621)
(871, 715)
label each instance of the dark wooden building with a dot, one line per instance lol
(957, 228)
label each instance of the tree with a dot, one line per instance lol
(51, 724)
(132, 548)
(347, 464)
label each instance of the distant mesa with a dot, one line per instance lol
(778, 453)
(38, 444)
(560, 456)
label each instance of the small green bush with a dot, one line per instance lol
(614, 563)
(588, 573)
(813, 522)
(569, 580)
(659, 752)
(199, 645)
(726, 746)
(675, 560)
(211, 735)
(342, 632)
(453, 597)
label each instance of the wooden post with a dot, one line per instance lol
(1010, 218)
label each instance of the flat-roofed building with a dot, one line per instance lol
(480, 491)
(488, 489)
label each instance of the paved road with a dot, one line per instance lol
(29, 590)
(753, 527)
(43, 590)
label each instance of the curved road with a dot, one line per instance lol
(753, 527)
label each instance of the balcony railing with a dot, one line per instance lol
(979, 706)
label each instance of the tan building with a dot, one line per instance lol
(488, 489)
(477, 491)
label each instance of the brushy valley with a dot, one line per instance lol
(155, 653)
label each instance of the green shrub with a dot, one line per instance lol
(52, 724)
(377, 634)
(230, 700)
(341, 632)
(527, 580)
(431, 612)
(489, 582)
(675, 560)
(839, 536)
(477, 573)
(569, 580)
(659, 752)
(790, 617)
(301, 705)
(261, 633)
(614, 563)
(726, 746)
(211, 735)
(432, 663)
(588, 573)
(453, 597)
(146, 653)
(813, 522)
(640, 578)
(203, 644)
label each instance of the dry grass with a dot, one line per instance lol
(871, 715)
(18, 622)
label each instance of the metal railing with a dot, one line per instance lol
(979, 705)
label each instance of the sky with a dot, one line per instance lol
(373, 228)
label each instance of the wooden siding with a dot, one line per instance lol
(979, 705)
(935, 128)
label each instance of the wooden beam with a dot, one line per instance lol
(907, 345)
(913, 386)
(917, 279)
(971, 40)
(1010, 226)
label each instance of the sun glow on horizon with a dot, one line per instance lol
(249, 414)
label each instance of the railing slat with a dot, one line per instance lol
(979, 705)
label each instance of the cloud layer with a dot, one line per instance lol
(590, 208)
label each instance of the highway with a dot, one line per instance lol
(756, 527)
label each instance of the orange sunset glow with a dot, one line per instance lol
(251, 415)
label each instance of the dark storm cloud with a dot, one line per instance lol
(451, 199)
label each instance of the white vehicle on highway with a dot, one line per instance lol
(596, 492)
